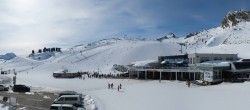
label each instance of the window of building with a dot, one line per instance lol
(217, 58)
(216, 75)
(204, 59)
(229, 58)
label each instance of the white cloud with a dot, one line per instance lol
(31, 24)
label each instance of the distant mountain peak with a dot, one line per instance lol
(234, 17)
(171, 35)
(192, 34)
(8, 56)
(168, 36)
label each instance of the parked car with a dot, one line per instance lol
(76, 100)
(20, 88)
(62, 107)
(3, 88)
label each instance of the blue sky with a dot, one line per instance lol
(32, 24)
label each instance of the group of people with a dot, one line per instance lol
(98, 75)
(111, 86)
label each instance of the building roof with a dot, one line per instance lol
(214, 64)
(145, 63)
(214, 53)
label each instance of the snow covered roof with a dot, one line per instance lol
(215, 63)
(173, 61)
(145, 63)
(62, 71)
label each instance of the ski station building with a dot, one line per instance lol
(207, 67)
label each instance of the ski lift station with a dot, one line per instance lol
(210, 68)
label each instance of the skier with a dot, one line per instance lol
(108, 86)
(112, 86)
(118, 88)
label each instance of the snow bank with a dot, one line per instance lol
(2, 107)
(89, 103)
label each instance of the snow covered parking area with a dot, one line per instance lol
(152, 95)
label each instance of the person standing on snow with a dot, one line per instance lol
(120, 86)
(112, 86)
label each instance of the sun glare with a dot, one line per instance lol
(23, 5)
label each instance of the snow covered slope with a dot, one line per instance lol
(229, 38)
(98, 56)
(235, 40)
(234, 35)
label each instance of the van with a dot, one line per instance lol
(62, 107)
(76, 100)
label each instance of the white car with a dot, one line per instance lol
(64, 107)
(75, 100)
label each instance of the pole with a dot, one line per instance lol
(181, 75)
(129, 74)
(160, 77)
(189, 76)
(138, 74)
(176, 77)
(194, 76)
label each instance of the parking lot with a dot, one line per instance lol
(32, 100)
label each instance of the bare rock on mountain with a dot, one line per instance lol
(233, 18)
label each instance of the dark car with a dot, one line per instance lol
(3, 88)
(21, 88)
